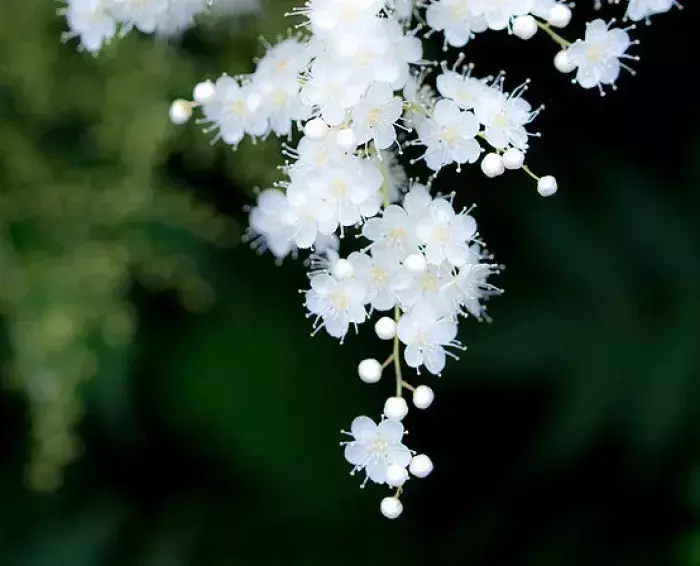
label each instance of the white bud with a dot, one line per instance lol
(204, 92)
(421, 466)
(342, 269)
(396, 475)
(492, 165)
(315, 129)
(415, 263)
(423, 397)
(547, 186)
(369, 370)
(346, 139)
(180, 112)
(391, 507)
(524, 27)
(563, 62)
(385, 328)
(395, 408)
(559, 16)
(513, 158)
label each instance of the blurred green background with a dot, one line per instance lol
(164, 404)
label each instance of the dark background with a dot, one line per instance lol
(568, 433)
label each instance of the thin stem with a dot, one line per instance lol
(408, 386)
(385, 193)
(563, 43)
(388, 361)
(397, 356)
(529, 172)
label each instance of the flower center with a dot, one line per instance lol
(340, 301)
(339, 188)
(373, 116)
(396, 234)
(237, 108)
(379, 276)
(441, 234)
(380, 445)
(594, 53)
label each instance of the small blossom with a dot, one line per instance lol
(375, 447)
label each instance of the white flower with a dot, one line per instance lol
(145, 15)
(329, 15)
(288, 58)
(394, 231)
(445, 234)
(598, 55)
(459, 19)
(504, 117)
(373, 118)
(425, 335)
(333, 89)
(381, 274)
(266, 227)
(307, 215)
(351, 186)
(336, 304)
(642, 9)
(376, 447)
(91, 21)
(466, 91)
(499, 13)
(449, 136)
(235, 111)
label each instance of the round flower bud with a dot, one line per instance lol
(559, 16)
(346, 139)
(395, 408)
(391, 507)
(385, 328)
(423, 397)
(547, 186)
(492, 165)
(180, 112)
(513, 158)
(415, 263)
(342, 269)
(421, 466)
(563, 62)
(315, 129)
(524, 26)
(369, 370)
(204, 92)
(396, 475)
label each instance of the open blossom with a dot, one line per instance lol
(642, 9)
(235, 111)
(598, 55)
(449, 136)
(459, 19)
(445, 234)
(336, 304)
(426, 335)
(375, 447)
(374, 117)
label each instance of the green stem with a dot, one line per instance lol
(527, 170)
(563, 43)
(397, 355)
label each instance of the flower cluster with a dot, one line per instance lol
(96, 22)
(353, 82)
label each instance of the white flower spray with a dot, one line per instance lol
(352, 81)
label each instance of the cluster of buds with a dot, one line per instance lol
(353, 82)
